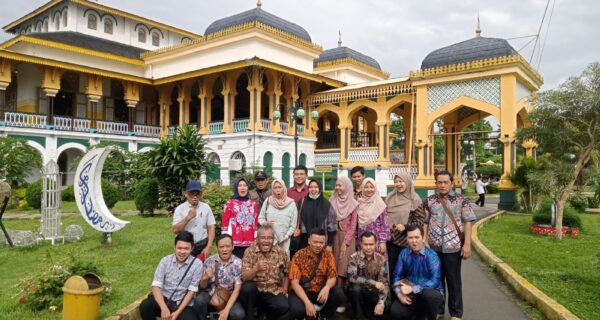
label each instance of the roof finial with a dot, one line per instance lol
(340, 38)
(478, 30)
(258, 3)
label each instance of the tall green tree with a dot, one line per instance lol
(17, 158)
(174, 162)
(566, 126)
(397, 127)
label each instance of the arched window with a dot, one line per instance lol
(108, 26)
(155, 39)
(92, 22)
(142, 36)
(57, 22)
(45, 27)
(65, 16)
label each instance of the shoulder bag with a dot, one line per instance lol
(305, 282)
(461, 235)
(221, 295)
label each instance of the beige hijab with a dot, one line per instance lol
(343, 204)
(282, 201)
(369, 208)
(401, 204)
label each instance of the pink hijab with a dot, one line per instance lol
(283, 201)
(343, 204)
(369, 208)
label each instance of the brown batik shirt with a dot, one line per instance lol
(277, 260)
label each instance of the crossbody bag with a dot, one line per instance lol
(461, 234)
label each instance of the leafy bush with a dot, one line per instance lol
(216, 195)
(146, 195)
(44, 291)
(110, 193)
(17, 198)
(593, 202)
(489, 171)
(492, 188)
(16, 159)
(571, 218)
(33, 195)
(579, 202)
(330, 179)
(68, 194)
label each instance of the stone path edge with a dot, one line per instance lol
(549, 307)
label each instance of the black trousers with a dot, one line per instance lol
(424, 306)
(451, 263)
(274, 306)
(298, 310)
(362, 301)
(203, 308)
(149, 310)
(481, 200)
(393, 253)
(239, 252)
(199, 246)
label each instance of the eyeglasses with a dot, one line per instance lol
(194, 193)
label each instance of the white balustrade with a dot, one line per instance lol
(62, 123)
(300, 128)
(284, 126)
(146, 131)
(394, 170)
(82, 124)
(240, 125)
(216, 127)
(266, 124)
(112, 127)
(363, 155)
(327, 158)
(173, 130)
(26, 120)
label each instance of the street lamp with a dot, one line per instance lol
(296, 113)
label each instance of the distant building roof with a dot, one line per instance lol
(345, 52)
(260, 15)
(90, 42)
(477, 48)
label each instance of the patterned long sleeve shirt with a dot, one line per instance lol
(442, 234)
(380, 227)
(422, 268)
(368, 271)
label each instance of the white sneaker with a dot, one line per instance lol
(340, 309)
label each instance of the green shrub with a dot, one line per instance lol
(330, 179)
(489, 171)
(33, 195)
(110, 193)
(579, 202)
(492, 188)
(146, 195)
(593, 202)
(17, 198)
(571, 218)
(216, 195)
(68, 194)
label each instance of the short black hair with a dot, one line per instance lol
(224, 236)
(185, 236)
(317, 231)
(357, 169)
(413, 227)
(300, 167)
(368, 234)
(444, 172)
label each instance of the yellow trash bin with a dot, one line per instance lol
(81, 299)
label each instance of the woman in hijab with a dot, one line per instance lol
(316, 212)
(344, 205)
(280, 212)
(372, 215)
(404, 207)
(240, 218)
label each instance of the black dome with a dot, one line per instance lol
(257, 14)
(478, 48)
(345, 52)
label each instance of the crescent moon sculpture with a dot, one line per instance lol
(88, 192)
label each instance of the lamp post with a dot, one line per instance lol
(296, 113)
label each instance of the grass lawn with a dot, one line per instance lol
(71, 207)
(129, 261)
(568, 271)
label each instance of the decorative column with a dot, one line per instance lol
(51, 86)
(508, 127)
(383, 156)
(131, 97)
(452, 150)
(530, 146)
(93, 91)
(275, 101)
(184, 104)
(163, 105)
(204, 107)
(5, 79)
(228, 106)
(255, 88)
(424, 144)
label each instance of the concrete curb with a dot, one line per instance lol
(550, 308)
(130, 312)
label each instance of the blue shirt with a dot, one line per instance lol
(422, 268)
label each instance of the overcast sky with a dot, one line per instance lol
(397, 33)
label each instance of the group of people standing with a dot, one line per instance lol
(293, 254)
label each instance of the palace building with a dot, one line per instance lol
(78, 72)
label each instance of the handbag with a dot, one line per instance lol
(221, 295)
(305, 282)
(461, 235)
(296, 242)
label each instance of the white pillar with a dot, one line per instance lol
(225, 176)
(382, 177)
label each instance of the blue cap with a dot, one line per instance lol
(193, 186)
